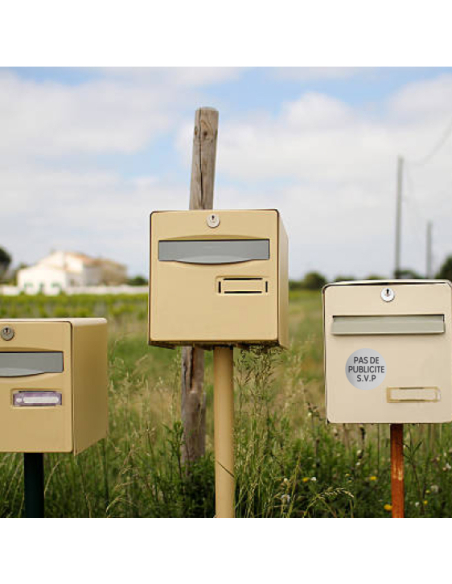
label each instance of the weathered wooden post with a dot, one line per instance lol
(193, 408)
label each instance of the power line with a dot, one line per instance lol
(414, 209)
(401, 170)
(435, 149)
(411, 197)
(415, 212)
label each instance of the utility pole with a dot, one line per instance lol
(429, 270)
(398, 217)
(396, 430)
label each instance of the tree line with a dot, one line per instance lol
(311, 281)
(315, 280)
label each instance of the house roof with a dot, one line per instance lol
(58, 260)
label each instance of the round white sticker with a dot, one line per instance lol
(365, 369)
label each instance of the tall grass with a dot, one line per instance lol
(289, 461)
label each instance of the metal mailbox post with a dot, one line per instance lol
(219, 279)
(388, 352)
(53, 398)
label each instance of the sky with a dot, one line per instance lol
(87, 154)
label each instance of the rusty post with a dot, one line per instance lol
(397, 475)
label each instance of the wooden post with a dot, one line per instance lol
(193, 410)
(397, 475)
(203, 159)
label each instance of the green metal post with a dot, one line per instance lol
(34, 484)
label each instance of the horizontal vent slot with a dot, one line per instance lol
(27, 363)
(214, 251)
(420, 324)
(242, 285)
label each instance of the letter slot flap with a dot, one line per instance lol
(30, 363)
(214, 251)
(419, 324)
(395, 395)
(242, 285)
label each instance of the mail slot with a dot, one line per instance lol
(220, 281)
(53, 384)
(422, 324)
(30, 363)
(214, 251)
(388, 351)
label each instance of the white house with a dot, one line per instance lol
(63, 271)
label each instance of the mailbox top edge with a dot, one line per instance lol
(76, 321)
(218, 211)
(388, 282)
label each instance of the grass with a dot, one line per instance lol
(289, 461)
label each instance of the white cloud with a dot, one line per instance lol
(119, 111)
(50, 128)
(47, 119)
(329, 167)
(172, 76)
(341, 165)
(202, 76)
(98, 213)
(304, 74)
(422, 101)
(316, 111)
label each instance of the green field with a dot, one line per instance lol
(289, 461)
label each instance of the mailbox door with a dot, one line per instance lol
(212, 285)
(35, 387)
(406, 344)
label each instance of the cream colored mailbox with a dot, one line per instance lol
(53, 384)
(388, 351)
(218, 278)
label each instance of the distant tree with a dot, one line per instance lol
(344, 279)
(5, 261)
(375, 277)
(137, 281)
(13, 278)
(295, 284)
(445, 271)
(407, 274)
(313, 281)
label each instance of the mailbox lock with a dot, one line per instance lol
(7, 333)
(387, 294)
(213, 220)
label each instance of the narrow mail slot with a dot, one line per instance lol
(216, 251)
(412, 394)
(37, 398)
(242, 285)
(28, 363)
(422, 324)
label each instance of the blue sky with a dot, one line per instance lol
(255, 87)
(87, 154)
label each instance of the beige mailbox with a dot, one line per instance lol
(218, 278)
(53, 384)
(388, 351)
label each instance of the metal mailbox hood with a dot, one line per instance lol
(387, 282)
